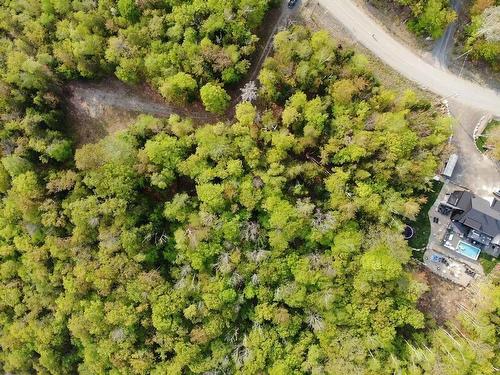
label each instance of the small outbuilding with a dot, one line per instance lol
(450, 166)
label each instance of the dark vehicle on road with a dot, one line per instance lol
(291, 3)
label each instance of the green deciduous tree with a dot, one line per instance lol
(214, 98)
(179, 88)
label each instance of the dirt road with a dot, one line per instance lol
(95, 109)
(285, 14)
(95, 96)
(373, 36)
(442, 48)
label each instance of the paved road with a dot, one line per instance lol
(474, 170)
(373, 36)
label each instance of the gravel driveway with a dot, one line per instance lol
(474, 170)
(444, 45)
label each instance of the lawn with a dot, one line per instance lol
(481, 140)
(488, 262)
(422, 224)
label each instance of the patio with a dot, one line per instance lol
(449, 268)
(449, 244)
(451, 239)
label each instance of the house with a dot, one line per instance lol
(476, 222)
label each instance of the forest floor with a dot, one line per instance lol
(443, 300)
(95, 109)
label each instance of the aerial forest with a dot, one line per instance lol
(269, 242)
(483, 33)
(426, 18)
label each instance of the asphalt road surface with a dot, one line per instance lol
(474, 170)
(369, 33)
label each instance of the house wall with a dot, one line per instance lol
(492, 250)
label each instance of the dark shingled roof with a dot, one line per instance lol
(475, 212)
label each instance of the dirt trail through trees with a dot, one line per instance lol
(95, 109)
(444, 45)
(93, 97)
(98, 108)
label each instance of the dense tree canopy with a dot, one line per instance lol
(483, 33)
(178, 46)
(270, 243)
(429, 17)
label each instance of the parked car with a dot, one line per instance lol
(291, 3)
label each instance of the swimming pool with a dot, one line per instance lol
(468, 250)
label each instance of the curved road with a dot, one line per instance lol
(369, 33)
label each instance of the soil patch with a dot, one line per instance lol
(95, 109)
(443, 300)
(475, 71)
(394, 17)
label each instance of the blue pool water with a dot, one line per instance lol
(468, 250)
